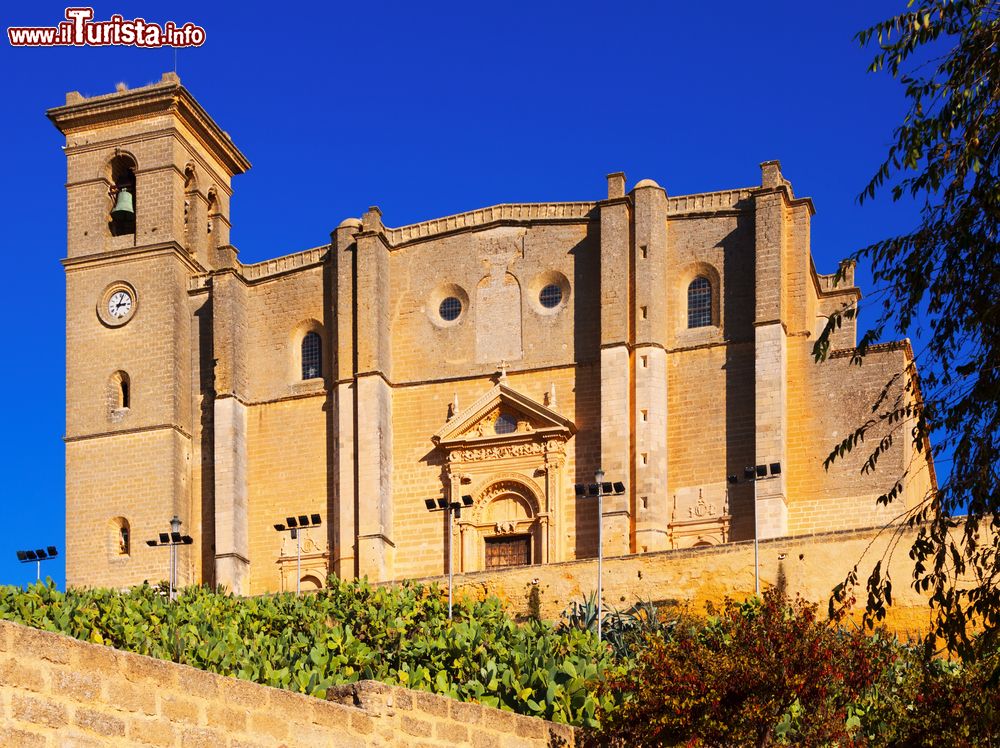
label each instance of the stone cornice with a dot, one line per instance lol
(825, 288)
(893, 345)
(708, 202)
(485, 375)
(115, 256)
(123, 432)
(515, 213)
(495, 214)
(786, 192)
(219, 181)
(548, 423)
(723, 202)
(285, 264)
(260, 272)
(166, 97)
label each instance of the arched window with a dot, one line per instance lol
(700, 302)
(312, 356)
(120, 391)
(120, 540)
(213, 208)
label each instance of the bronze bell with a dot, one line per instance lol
(124, 209)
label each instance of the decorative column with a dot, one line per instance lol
(649, 407)
(232, 554)
(771, 349)
(373, 401)
(554, 462)
(614, 416)
(343, 509)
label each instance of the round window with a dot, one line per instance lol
(450, 309)
(506, 424)
(550, 296)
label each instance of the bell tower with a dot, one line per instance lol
(148, 187)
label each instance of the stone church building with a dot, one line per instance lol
(495, 358)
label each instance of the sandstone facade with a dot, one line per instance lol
(504, 354)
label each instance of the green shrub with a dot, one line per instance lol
(347, 632)
(626, 632)
(758, 673)
(923, 700)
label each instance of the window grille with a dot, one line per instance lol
(700, 303)
(450, 309)
(312, 356)
(550, 296)
(506, 424)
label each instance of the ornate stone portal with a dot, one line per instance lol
(699, 517)
(311, 566)
(507, 452)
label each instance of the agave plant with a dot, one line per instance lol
(624, 631)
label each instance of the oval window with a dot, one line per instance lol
(450, 309)
(506, 424)
(550, 296)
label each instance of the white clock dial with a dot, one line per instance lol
(120, 304)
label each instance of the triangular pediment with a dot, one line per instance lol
(503, 412)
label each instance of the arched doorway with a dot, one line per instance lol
(506, 527)
(514, 525)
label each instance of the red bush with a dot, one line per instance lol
(759, 671)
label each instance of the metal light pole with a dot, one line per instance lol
(171, 540)
(754, 473)
(756, 545)
(453, 510)
(175, 529)
(600, 488)
(599, 479)
(37, 556)
(293, 525)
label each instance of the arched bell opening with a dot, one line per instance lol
(123, 195)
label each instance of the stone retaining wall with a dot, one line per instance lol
(811, 565)
(57, 691)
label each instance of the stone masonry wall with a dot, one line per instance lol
(57, 691)
(811, 564)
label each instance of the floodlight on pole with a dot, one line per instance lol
(453, 510)
(292, 526)
(36, 557)
(600, 488)
(752, 474)
(171, 540)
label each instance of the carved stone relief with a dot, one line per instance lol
(498, 298)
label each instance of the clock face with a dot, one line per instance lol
(117, 304)
(120, 304)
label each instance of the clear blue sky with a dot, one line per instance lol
(427, 109)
